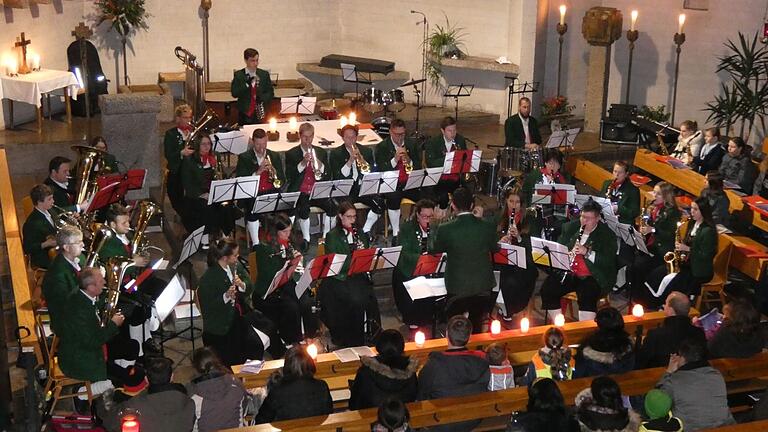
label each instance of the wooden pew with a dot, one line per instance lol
(755, 426)
(336, 373)
(504, 402)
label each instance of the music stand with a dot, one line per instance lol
(372, 259)
(462, 162)
(278, 280)
(423, 178)
(605, 204)
(349, 74)
(456, 92)
(271, 203)
(233, 189)
(551, 254)
(563, 138)
(319, 268)
(299, 105)
(509, 254)
(519, 88)
(557, 194)
(331, 189)
(191, 245)
(235, 142)
(377, 183)
(107, 196)
(430, 264)
(640, 242)
(166, 302)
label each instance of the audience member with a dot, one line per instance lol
(294, 392)
(711, 154)
(699, 397)
(389, 375)
(608, 350)
(220, 399)
(740, 335)
(455, 372)
(737, 166)
(502, 374)
(662, 341)
(658, 407)
(546, 411)
(108, 407)
(164, 406)
(553, 360)
(761, 182)
(601, 408)
(718, 200)
(392, 417)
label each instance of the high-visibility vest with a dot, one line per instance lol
(544, 370)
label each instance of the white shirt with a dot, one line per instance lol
(393, 162)
(695, 228)
(47, 215)
(346, 169)
(524, 121)
(706, 148)
(123, 238)
(74, 264)
(301, 166)
(448, 144)
(260, 158)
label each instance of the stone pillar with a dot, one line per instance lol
(129, 124)
(601, 26)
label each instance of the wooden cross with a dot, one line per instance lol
(82, 31)
(23, 42)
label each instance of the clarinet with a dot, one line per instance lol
(511, 222)
(423, 240)
(358, 241)
(572, 256)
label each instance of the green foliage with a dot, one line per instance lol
(656, 113)
(443, 41)
(125, 16)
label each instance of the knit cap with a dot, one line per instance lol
(657, 404)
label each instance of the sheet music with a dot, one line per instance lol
(275, 202)
(515, 254)
(422, 287)
(235, 142)
(332, 189)
(276, 280)
(191, 245)
(234, 189)
(563, 138)
(306, 278)
(346, 355)
(558, 252)
(423, 177)
(376, 183)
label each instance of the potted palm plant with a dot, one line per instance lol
(445, 41)
(126, 17)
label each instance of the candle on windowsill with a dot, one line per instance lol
(637, 311)
(352, 118)
(342, 121)
(495, 327)
(419, 338)
(559, 320)
(312, 350)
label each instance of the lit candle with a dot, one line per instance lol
(562, 14)
(352, 118)
(272, 124)
(525, 324)
(638, 311)
(342, 121)
(495, 327)
(633, 21)
(130, 424)
(35, 61)
(312, 350)
(419, 338)
(559, 320)
(680, 23)
(292, 124)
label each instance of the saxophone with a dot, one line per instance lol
(115, 272)
(673, 259)
(273, 174)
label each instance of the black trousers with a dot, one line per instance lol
(304, 203)
(442, 190)
(638, 274)
(683, 282)
(242, 342)
(375, 202)
(478, 307)
(244, 119)
(586, 289)
(288, 312)
(175, 191)
(415, 312)
(216, 217)
(345, 306)
(392, 200)
(516, 286)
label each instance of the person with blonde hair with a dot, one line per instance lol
(689, 142)
(175, 148)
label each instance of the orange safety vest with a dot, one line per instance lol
(543, 370)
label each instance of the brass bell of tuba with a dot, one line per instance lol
(101, 233)
(88, 159)
(115, 272)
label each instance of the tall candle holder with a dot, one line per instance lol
(561, 30)
(679, 39)
(631, 37)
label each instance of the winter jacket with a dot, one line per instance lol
(664, 424)
(164, 408)
(219, 401)
(543, 421)
(699, 397)
(739, 170)
(375, 382)
(295, 398)
(726, 343)
(660, 342)
(595, 418)
(594, 360)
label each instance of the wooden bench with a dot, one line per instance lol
(755, 426)
(505, 402)
(521, 347)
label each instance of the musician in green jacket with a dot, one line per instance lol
(348, 162)
(522, 129)
(469, 243)
(434, 152)
(109, 162)
(175, 148)
(253, 89)
(64, 193)
(593, 264)
(623, 194)
(300, 163)
(398, 153)
(259, 161)
(61, 278)
(39, 229)
(348, 302)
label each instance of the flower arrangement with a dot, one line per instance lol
(557, 105)
(125, 15)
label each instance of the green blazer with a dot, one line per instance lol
(110, 163)
(339, 157)
(703, 251)
(514, 134)
(193, 177)
(267, 265)
(62, 197)
(434, 149)
(411, 251)
(292, 159)
(629, 200)
(113, 247)
(36, 230)
(603, 242)
(173, 143)
(59, 283)
(247, 164)
(530, 226)
(665, 226)
(469, 242)
(385, 151)
(81, 353)
(336, 242)
(217, 315)
(240, 89)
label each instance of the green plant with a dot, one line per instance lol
(125, 16)
(443, 41)
(745, 98)
(656, 113)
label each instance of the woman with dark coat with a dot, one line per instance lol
(600, 408)
(294, 392)
(388, 375)
(546, 411)
(608, 350)
(740, 335)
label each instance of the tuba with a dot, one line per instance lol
(147, 209)
(101, 233)
(115, 272)
(89, 158)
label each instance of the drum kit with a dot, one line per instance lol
(374, 100)
(507, 170)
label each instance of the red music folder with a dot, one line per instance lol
(462, 162)
(428, 264)
(362, 261)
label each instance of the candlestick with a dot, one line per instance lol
(562, 28)
(352, 118)
(273, 124)
(293, 124)
(680, 23)
(35, 61)
(559, 320)
(679, 40)
(495, 327)
(342, 121)
(525, 324)
(272, 133)
(632, 35)
(633, 21)
(419, 338)
(562, 14)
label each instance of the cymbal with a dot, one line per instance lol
(413, 82)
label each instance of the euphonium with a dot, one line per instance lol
(362, 164)
(273, 174)
(101, 233)
(65, 217)
(115, 272)
(147, 209)
(315, 166)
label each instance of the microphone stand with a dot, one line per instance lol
(424, 65)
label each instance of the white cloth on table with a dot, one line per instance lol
(327, 129)
(29, 88)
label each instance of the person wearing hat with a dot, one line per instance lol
(658, 406)
(109, 406)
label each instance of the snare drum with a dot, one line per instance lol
(511, 162)
(487, 177)
(373, 100)
(395, 100)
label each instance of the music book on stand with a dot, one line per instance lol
(275, 202)
(279, 280)
(233, 189)
(319, 268)
(191, 245)
(423, 287)
(563, 138)
(550, 253)
(557, 194)
(509, 254)
(423, 178)
(377, 183)
(235, 142)
(372, 259)
(462, 161)
(332, 189)
(429, 264)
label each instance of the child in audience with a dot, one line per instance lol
(393, 417)
(551, 361)
(502, 374)
(658, 406)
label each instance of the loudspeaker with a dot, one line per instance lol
(618, 132)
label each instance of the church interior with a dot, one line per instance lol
(250, 190)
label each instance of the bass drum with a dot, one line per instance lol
(373, 100)
(395, 100)
(381, 126)
(487, 177)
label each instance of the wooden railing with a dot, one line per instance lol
(505, 402)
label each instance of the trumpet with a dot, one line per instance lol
(315, 166)
(362, 164)
(407, 161)
(273, 173)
